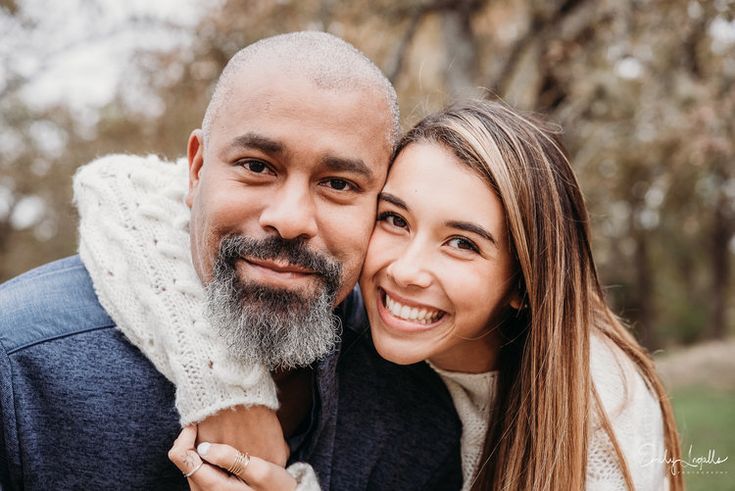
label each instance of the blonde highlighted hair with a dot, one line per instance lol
(539, 434)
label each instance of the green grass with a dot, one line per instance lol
(706, 420)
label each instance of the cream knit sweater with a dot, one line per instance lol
(134, 242)
(634, 413)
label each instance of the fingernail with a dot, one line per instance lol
(203, 448)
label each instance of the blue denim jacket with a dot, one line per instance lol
(82, 408)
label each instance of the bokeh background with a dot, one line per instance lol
(643, 90)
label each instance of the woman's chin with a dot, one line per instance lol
(395, 353)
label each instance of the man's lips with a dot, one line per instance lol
(277, 274)
(279, 267)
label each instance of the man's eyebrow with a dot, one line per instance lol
(474, 228)
(339, 164)
(393, 199)
(258, 142)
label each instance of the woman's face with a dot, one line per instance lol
(437, 276)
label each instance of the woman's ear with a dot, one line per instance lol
(515, 301)
(517, 296)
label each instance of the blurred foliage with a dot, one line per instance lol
(700, 381)
(701, 416)
(643, 89)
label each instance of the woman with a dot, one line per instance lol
(480, 263)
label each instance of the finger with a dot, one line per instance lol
(253, 470)
(187, 437)
(182, 453)
(186, 460)
(211, 477)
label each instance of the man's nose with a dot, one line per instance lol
(411, 268)
(291, 211)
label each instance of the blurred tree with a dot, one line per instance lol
(643, 89)
(9, 5)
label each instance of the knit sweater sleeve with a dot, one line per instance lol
(635, 416)
(305, 477)
(134, 241)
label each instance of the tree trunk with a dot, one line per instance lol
(644, 301)
(394, 68)
(721, 263)
(5, 231)
(460, 51)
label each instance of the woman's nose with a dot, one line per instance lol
(411, 268)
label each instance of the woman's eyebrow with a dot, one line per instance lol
(474, 228)
(465, 226)
(393, 199)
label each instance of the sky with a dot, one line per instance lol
(77, 53)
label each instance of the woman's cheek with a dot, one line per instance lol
(381, 250)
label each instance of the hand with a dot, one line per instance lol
(254, 429)
(206, 468)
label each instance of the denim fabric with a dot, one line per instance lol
(81, 408)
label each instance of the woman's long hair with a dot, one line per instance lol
(546, 401)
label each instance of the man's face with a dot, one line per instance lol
(289, 162)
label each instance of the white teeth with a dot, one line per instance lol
(405, 311)
(422, 316)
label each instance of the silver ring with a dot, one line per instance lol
(189, 474)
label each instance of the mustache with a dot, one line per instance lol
(278, 327)
(275, 248)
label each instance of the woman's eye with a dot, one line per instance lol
(463, 244)
(393, 220)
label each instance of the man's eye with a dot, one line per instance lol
(339, 184)
(255, 166)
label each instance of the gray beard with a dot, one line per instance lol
(280, 329)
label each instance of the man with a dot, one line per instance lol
(283, 179)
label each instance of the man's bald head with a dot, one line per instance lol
(330, 62)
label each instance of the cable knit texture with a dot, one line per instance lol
(134, 241)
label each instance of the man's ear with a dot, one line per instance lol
(195, 155)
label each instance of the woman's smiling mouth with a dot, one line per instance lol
(405, 315)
